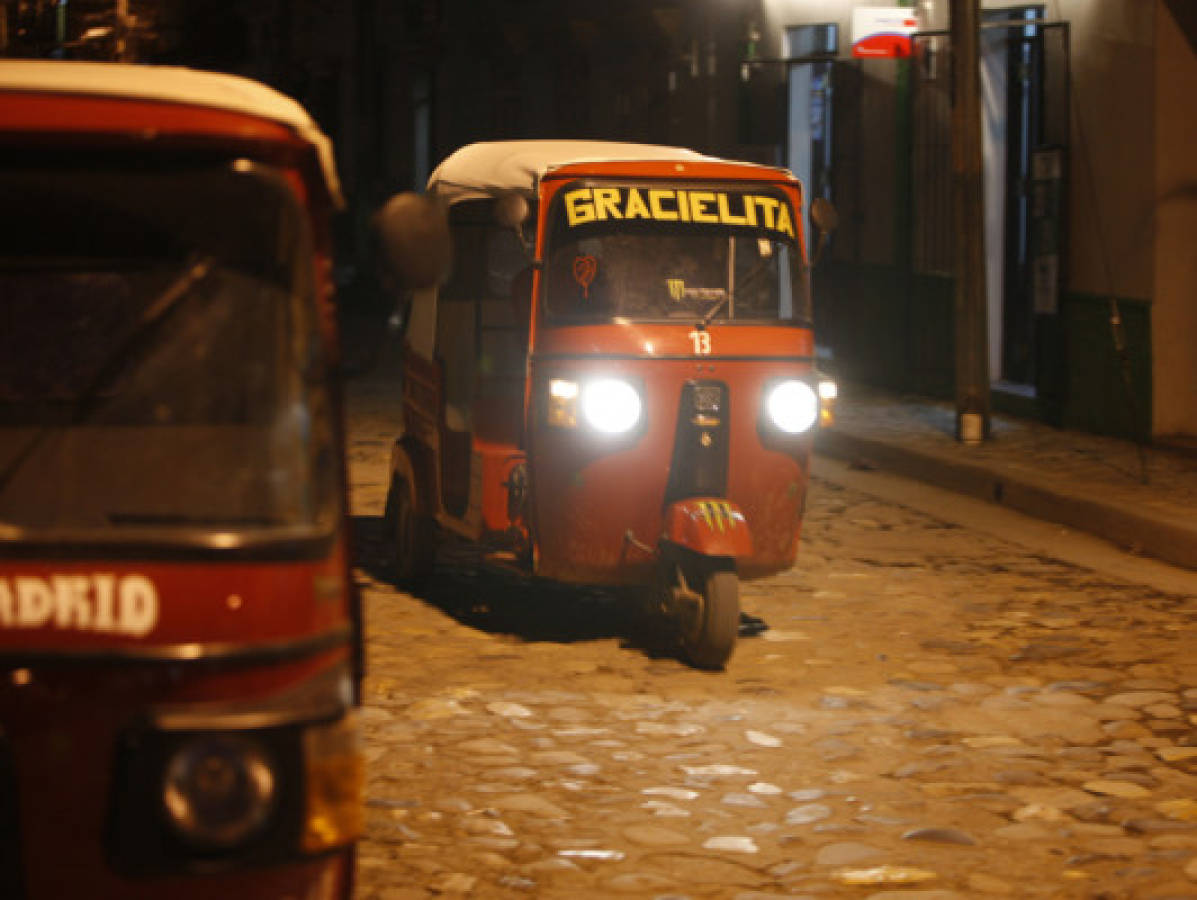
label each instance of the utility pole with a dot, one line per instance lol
(972, 342)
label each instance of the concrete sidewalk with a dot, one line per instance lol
(1144, 500)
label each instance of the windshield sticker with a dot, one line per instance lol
(583, 205)
(678, 291)
(585, 268)
(99, 602)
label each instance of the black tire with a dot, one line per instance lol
(411, 538)
(710, 637)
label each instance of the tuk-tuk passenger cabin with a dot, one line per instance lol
(616, 384)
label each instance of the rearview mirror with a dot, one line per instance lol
(413, 237)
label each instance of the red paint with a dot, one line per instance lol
(597, 505)
(884, 46)
(60, 715)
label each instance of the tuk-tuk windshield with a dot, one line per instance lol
(160, 367)
(655, 253)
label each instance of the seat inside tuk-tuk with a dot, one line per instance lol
(482, 345)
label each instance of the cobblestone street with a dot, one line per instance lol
(934, 712)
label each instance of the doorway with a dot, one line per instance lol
(810, 50)
(1012, 82)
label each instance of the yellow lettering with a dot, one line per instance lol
(655, 196)
(725, 214)
(699, 211)
(6, 604)
(784, 223)
(750, 209)
(683, 206)
(769, 205)
(636, 208)
(606, 203)
(578, 207)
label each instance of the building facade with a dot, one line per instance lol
(1091, 182)
(1089, 194)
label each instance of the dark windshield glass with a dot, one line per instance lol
(159, 357)
(668, 253)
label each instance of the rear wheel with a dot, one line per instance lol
(710, 627)
(411, 537)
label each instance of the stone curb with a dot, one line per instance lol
(1165, 538)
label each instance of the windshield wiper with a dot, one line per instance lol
(714, 310)
(147, 325)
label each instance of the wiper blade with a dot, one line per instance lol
(714, 310)
(146, 327)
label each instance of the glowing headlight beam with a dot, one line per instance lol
(610, 405)
(793, 406)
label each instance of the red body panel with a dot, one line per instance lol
(588, 495)
(63, 725)
(73, 673)
(195, 604)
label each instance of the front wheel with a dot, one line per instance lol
(411, 537)
(710, 627)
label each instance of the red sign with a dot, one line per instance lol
(882, 32)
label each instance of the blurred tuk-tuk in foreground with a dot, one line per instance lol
(180, 639)
(616, 385)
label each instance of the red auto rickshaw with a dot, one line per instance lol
(616, 385)
(180, 639)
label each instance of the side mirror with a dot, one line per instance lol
(413, 238)
(826, 220)
(511, 210)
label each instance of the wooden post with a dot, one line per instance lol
(972, 343)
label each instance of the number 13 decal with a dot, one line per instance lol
(702, 342)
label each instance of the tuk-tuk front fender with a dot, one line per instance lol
(709, 526)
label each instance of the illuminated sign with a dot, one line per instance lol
(704, 207)
(882, 32)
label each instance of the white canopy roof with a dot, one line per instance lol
(172, 84)
(486, 169)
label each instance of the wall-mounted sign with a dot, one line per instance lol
(883, 32)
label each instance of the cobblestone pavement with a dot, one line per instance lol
(933, 713)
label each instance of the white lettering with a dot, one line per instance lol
(105, 589)
(97, 602)
(35, 602)
(138, 605)
(70, 594)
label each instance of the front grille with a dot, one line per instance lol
(700, 444)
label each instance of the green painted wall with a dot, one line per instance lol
(1096, 395)
(894, 330)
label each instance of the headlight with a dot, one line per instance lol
(219, 790)
(793, 406)
(563, 403)
(828, 392)
(609, 405)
